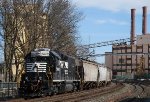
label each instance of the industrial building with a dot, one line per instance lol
(131, 60)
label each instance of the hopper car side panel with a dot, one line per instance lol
(90, 74)
(103, 73)
(90, 71)
(109, 73)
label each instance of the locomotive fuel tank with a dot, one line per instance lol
(69, 86)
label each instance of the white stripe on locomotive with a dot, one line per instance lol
(41, 67)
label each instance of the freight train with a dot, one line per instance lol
(49, 72)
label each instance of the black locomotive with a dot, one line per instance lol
(49, 72)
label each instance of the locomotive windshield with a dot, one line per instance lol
(37, 59)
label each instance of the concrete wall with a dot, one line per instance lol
(143, 39)
(108, 59)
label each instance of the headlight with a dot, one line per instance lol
(26, 78)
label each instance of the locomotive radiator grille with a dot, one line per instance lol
(36, 67)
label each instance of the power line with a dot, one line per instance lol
(84, 49)
(116, 54)
(107, 43)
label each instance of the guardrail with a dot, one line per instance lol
(8, 90)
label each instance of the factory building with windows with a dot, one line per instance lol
(131, 60)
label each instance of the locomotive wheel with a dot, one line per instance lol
(56, 91)
(75, 88)
(43, 94)
(25, 98)
(49, 94)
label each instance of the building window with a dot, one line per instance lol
(121, 60)
(128, 59)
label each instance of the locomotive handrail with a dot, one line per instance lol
(37, 86)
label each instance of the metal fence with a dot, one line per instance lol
(8, 90)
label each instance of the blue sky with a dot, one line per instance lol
(106, 20)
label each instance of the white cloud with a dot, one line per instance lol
(114, 5)
(101, 21)
(112, 21)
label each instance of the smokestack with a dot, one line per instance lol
(144, 21)
(132, 26)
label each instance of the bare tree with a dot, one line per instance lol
(29, 24)
(20, 30)
(9, 34)
(62, 25)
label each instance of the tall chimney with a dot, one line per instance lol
(132, 36)
(144, 21)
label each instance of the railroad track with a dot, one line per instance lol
(78, 96)
(138, 93)
(75, 96)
